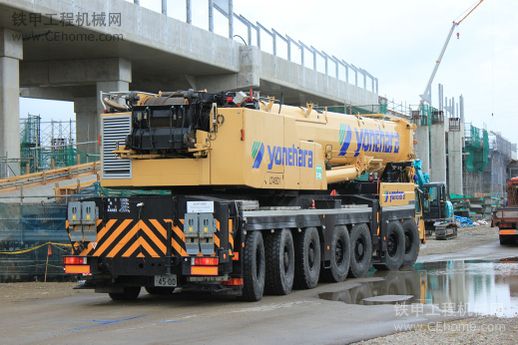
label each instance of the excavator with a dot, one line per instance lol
(437, 208)
(230, 192)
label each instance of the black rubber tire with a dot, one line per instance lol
(280, 262)
(395, 253)
(506, 240)
(129, 293)
(253, 267)
(307, 259)
(159, 290)
(411, 242)
(340, 256)
(361, 251)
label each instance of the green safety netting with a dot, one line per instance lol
(476, 150)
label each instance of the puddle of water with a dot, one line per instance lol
(453, 287)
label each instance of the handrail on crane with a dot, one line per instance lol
(426, 96)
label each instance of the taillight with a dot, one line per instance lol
(201, 261)
(75, 260)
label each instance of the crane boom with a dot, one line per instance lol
(426, 95)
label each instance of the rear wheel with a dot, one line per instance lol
(340, 255)
(159, 290)
(506, 240)
(307, 259)
(411, 242)
(280, 262)
(253, 267)
(128, 294)
(361, 250)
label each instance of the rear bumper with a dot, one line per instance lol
(508, 232)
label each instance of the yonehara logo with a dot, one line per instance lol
(281, 155)
(344, 138)
(257, 154)
(367, 140)
(396, 195)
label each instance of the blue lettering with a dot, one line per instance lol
(271, 155)
(289, 156)
(278, 155)
(359, 139)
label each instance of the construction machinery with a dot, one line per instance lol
(232, 192)
(437, 208)
(506, 218)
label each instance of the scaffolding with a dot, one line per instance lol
(49, 145)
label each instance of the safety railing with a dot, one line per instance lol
(294, 50)
(49, 175)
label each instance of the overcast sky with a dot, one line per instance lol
(398, 41)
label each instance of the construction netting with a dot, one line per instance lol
(33, 241)
(49, 144)
(476, 149)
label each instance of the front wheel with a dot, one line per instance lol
(395, 253)
(411, 242)
(253, 267)
(128, 293)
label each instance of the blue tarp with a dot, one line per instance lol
(464, 222)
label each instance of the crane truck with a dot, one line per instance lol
(506, 218)
(229, 192)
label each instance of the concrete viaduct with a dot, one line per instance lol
(49, 50)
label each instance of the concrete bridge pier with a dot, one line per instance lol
(438, 152)
(115, 76)
(11, 52)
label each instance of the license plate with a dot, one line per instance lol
(167, 280)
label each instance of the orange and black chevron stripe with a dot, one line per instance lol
(144, 238)
(131, 238)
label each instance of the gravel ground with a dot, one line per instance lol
(19, 292)
(481, 330)
(466, 238)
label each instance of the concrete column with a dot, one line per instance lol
(455, 162)
(437, 153)
(11, 52)
(422, 147)
(87, 126)
(87, 109)
(249, 74)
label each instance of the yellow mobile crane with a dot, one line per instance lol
(230, 192)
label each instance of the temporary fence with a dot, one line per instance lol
(33, 241)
